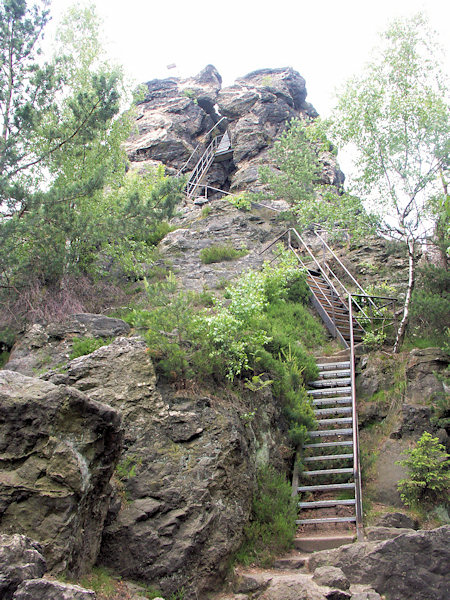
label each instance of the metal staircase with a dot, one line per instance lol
(331, 481)
(332, 297)
(218, 149)
(330, 484)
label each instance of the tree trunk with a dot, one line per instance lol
(411, 280)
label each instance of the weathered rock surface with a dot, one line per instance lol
(331, 577)
(177, 115)
(396, 519)
(187, 473)
(412, 566)
(422, 371)
(20, 559)
(58, 449)
(43, 347)
(223, 225)
(44, 589)
(384, 533)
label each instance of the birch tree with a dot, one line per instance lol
(395, 117)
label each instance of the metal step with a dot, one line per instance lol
(329, 444)
(326, 503)
(333, 399)
(326, 520)
(337, 410)
(327, 457)
(332, 366)
(326, 487)
(324, 375)
(320, 383)
(329, 392)
(328, 472)
(327, 432)
(341, 421)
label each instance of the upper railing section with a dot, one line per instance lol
(219, 145)
(378, 311)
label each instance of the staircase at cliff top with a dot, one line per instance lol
(218, 149)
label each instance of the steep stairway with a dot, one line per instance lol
(332, 308)
(219, 149)
(329, 486)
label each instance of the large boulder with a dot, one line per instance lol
(43, 347)
(44, 589)
(412, 565)
(20, 559)
(58, 449)
(186, 476)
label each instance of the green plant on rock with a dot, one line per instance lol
(86, 345)
(241, 201)
(221, 252)
(428, 468)
(271, 528)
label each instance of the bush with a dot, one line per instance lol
(241, 201)
(219, 253)
(86, 345)
(429, 473)
(272, 526)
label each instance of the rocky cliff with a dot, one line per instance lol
(174, 510)
(176, 115)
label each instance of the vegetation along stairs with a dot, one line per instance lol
(330, 483)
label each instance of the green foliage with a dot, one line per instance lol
(430, 304)
(241, 201)
(395, 117)
(428, 468)
(299, 158)
(221, 252)
(374, 341)
(271, 528)
(126, 468)
(86, 345)
(206, 210)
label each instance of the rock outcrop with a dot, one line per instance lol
(20, 559)
(58, 449)
(412, 565)
(43, 347)
(186, 476)
(177, 115)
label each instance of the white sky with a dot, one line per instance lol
(327, 41)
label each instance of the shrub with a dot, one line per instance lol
(219, 253)
(272, 526)
(241, 201)
(428, 466)
(86, 345)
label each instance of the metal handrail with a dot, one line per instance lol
(202, 166)
(356, 462)
(364, 293)
(326, 272)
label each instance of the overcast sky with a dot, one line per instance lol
(325, 40)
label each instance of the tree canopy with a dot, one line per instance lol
(395, 118)
(67, 206)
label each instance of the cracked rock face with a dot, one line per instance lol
(176, 116)
(58, 449)
(184, 483)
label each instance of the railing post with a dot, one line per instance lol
(356, 465)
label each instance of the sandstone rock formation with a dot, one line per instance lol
(58, 449)
(177, 114)
(412, 565)
(45, 346)
(44, 589)
(187, 474)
